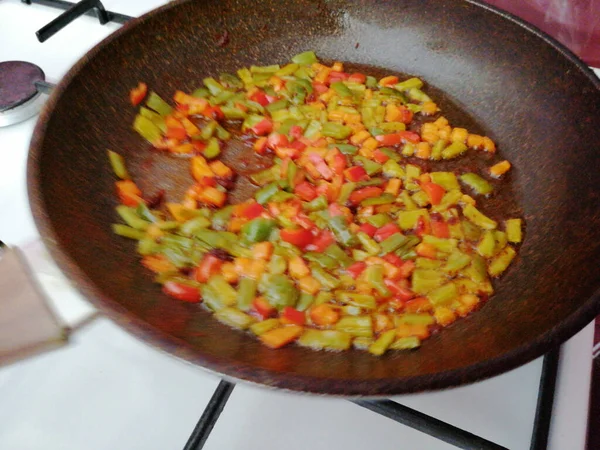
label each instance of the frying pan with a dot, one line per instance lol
(499, 77)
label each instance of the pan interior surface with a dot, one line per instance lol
(537, 102)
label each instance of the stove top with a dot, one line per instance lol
(109, 390)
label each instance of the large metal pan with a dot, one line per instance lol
(505, 79)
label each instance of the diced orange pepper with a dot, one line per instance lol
(298, 268)
(220, 169)
(309, 285)
(200, 168)
(281, 336)
(417, 305)
(212, 196)
(262, 250)
(444, 316)
(393, 186)
(381, 323)
(229, 273)
(389, 80)
(405, 330)
(128, 192)
(324, 315)
(499, 169)
(137, 94)
(158, 263)
(426, 250)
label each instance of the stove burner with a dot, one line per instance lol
(17, 83)
(19, 95)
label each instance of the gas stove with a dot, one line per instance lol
(107, 389)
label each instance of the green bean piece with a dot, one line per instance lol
(334, 251)
(156, 103)
(425, 280)
(409, 84)
(340, 229)
(257, 230)
(325, 340)
(323, 297)
(322, 259)
(426, 263)
(392, 243)
(327, 281)
(478, 184)
(383, 342)
(405, 343)
(379, 220)
(234, 318)
(346, 149)
(341, 89)
(277, 264)
(305, 301)
(358, 326)
(441, 244)
(128, 232)
(443, 295)
(455, 149)
(317, 204)
(225, 291)
(374, 276)
(118, 165)
(213, 85)
(418, 95)
(147, 129)
(514, 230)
(246, 293)
(371, 167)
(501, 261)
(364, 301)
(130, 217)
(336, 130)
(407, 220)
(501, 240)
(259, 328)
(280, 291)
(456, 261)
(384, 199)
(478, 218)
(414, 319)
(486, 245)
(368, 244)
(305, 58)
(264, 194)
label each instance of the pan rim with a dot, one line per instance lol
(384, 387)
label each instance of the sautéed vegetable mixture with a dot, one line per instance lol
(347, 241)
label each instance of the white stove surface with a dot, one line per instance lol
(108, 390)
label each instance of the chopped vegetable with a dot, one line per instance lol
(350, 238)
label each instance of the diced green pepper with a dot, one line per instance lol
(336, 130)
(147, 129)
(131, 218)
(478, 218)
(501, 261)
(424, 280)
(406, 343)
(479, 185)
(259, 328)
(441, 244)
(383, 342)
(513, 230)
(317, 204)
(358, 326)
(368, 244)
(325, 339)
(408, 219)
(128, 232)
(455, 149)
(443, 295)
(374, 276)
(280, 291)
(393, 243)
(156, 103)
(305, 58)
(264, 194)
(234, 318)
(118, 165)
(246, 293)
(257, 230)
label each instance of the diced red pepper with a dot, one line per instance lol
(199, 146)
(298, 145)
(367, 192)
(406, 115)
(322, 241)
(209, 266)
(386, 231)
(397, 138)
(260, 97)
(207, 181)
(423, 227)
(394, 259)
(319, 87)
(182, 291)
(277, 140)
(379, 156)
(260, 145)
(300, 238)
(356, 173)
(434, 191)
(296, 131)
(407, 268)
(321, 166)
(337, 76)
(439, 227)
(252, 211)
(356, 269)
(305, 191)
(336, 161)
(368, 229)
(291, 315)
(357, 78)
(304, 221)
(398, 290)
(214, 111)
(263, 127)
(137, 94)
(128, 192)
(335, 210)
(263, 308)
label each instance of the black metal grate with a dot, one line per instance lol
(407, 416)
(402, 414)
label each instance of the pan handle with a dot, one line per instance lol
(70, 15)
